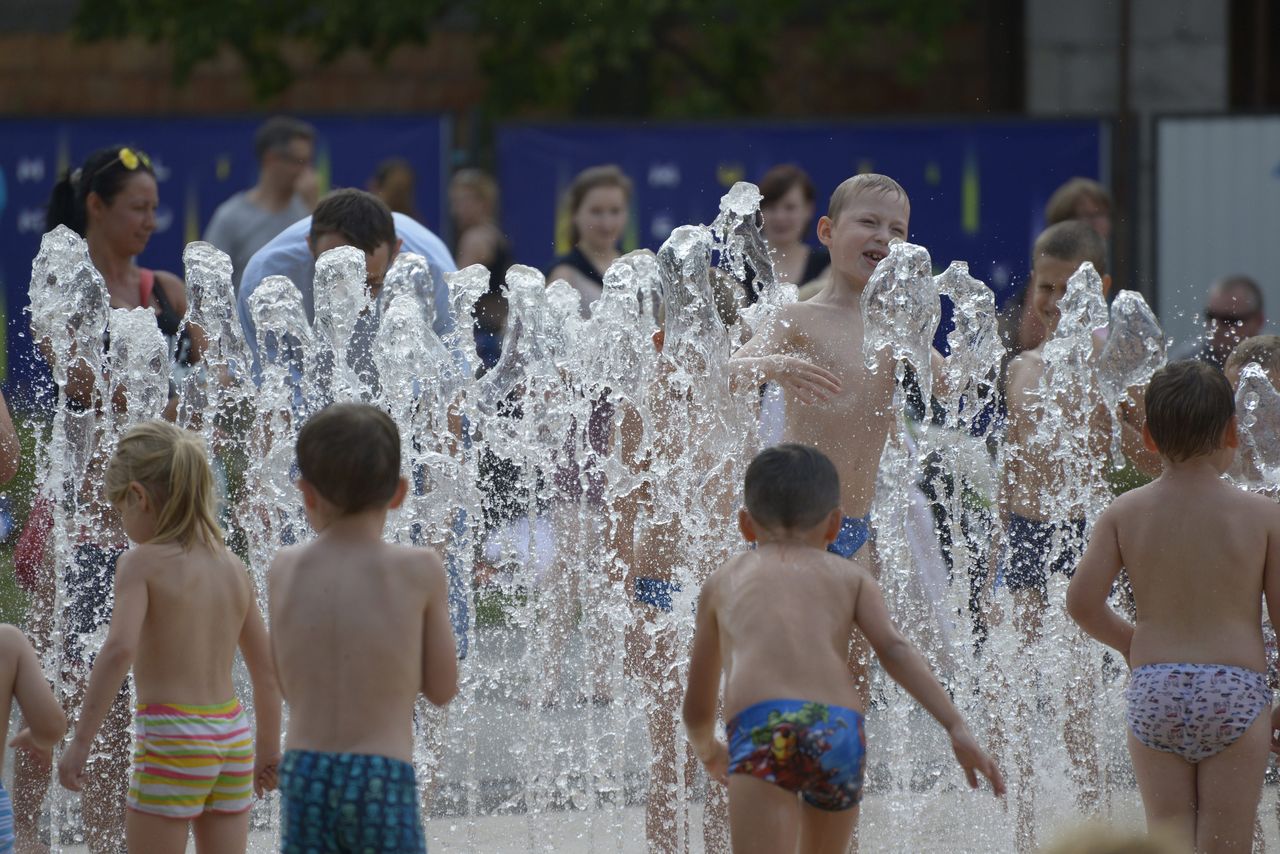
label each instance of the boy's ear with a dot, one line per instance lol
(835, 521)
(1147, 441)
(747, 525)
(825, 225)
(402, 489)
(1231, 435)
(659, 338)
(310, 497)
(1106, 284)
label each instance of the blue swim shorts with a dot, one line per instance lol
(354, 802)
(854, 534)
(815, 750)
(657, 592)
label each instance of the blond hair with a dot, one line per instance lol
(1062, 205)
(867, 182)
(1262, 350)
(480, 183)
(170, 465)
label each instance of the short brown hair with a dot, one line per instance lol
(586, 181)
(791, 486)
(350, 452)
(1189, 404)
(779, 180)
(1262, 350)
(1072, 240)
(866, 182)
(278, 131)
(362, 218)
(1061, 206)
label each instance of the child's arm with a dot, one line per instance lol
(46, 723)
(439, 649)
(1271, 591)
(902, 662)
(702, 695)
(110, 667)
(255, 646)
(1091, 586)
(762, 360)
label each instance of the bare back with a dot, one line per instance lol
(852, 426)
(786, 616)
(348, 623)
(197, 602)
(1196, 554)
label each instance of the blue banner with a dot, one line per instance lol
(199, 162)
(977, 189)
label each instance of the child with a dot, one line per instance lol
(359, 628)
(779, 619)
(22, 679)
(183, 604)
(1199, 708)
(813, 351)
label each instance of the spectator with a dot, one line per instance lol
(473, 204)
(1081, 198)
(1232, 313)
(244, 223)
(394, 181)
(788, 207)
(598, 205)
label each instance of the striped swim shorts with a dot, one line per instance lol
(188, 760)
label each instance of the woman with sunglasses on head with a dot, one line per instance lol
(111, 202)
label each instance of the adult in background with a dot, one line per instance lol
(244, 223)
(787, 208)
(395, 182)
(473, 205)
(1232, 313)
(598, 204)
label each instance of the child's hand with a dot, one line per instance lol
(808, 382)
(974, 760)
(1275, 727)
(266, 775)
(24, 740)
(717, 762)
(71, 766)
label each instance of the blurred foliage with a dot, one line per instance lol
(584, 57)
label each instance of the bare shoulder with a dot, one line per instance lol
(1026, 368)
(12, 641)
(138, 561)
(174, 289)
(422, 564)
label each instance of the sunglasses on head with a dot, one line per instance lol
(130, 159)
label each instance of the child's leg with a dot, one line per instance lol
(144, 832)
(763, 818)
(826, 831)
(1229, 785)
(1168, 786)
(106, 779)
(221, 833)
(1079, 729)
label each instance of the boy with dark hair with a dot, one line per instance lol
(1199, 707)
(778, 620)
(359, 628)
(244, 223)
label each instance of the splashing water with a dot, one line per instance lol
(1134, 350)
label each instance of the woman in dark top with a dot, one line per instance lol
(788, 207)
(598, 204)
(473, 204)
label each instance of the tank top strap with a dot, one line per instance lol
(146, 283)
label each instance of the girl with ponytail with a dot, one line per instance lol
(184, 604)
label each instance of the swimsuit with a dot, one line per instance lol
(89, 582)
(189, 760)
(6, 822)
(657, 592)
(1194, 710)
(854, 533)
(357, 802)
(1031, 543)
(813, 749)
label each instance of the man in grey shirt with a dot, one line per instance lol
(247, 221)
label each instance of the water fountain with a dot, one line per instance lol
(585, 455)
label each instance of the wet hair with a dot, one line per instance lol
(867, 182)
(588, 180)
(170, 465)
(1241, 282)
(362, 218)
(1189, 404)
(350, 452)
(1073, 241)
(482, 184)
(791, 486)
(104, 172)
(1062, 205)
(1262, 350)
(278, 131)
(779, 180)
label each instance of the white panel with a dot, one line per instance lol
(1217, 212)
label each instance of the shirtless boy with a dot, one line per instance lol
(778, 620)
(1199, 707)
(813, 350)
(359, 629)
(183, 605)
